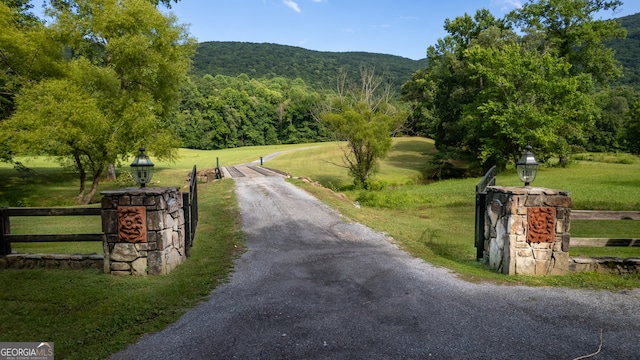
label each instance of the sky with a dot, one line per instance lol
(399, 27)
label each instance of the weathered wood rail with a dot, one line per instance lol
(605, 215)
(6, 238)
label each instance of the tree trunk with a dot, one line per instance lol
(81, 172)
(564, 161)
(83, 175)
(111, 172)
(94, 187)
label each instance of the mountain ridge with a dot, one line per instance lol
(317, 68)
(321, 68)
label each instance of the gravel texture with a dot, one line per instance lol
(312, 286)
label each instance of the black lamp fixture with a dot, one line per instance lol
(142, 169)
(527, 167)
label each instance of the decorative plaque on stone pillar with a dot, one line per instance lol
(132, 224)
(542, 224)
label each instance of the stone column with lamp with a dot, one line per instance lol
(527, 228)
(144, 227)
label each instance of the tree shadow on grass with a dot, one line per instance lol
(413, 155)
(29, 188)
(333, 182)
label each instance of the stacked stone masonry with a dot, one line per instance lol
(144, 231)
(527, 230)
(605, 265)
(52, 261)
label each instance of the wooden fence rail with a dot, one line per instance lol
(605, 215)
(6, 238)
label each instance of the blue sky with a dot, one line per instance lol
(398, 27)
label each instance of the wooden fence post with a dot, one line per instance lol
(5, 245)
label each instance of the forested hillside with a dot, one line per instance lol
(628, 51)
(318, 69)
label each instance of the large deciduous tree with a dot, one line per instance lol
(124, 64)
(524, 98)
(488, 90)
(27, 53)
(366, 119)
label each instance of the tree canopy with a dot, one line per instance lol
(119, 82)
(224, 112)
(491, 87)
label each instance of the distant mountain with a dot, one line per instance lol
(316, 68)
(320, 69)
(628, 51)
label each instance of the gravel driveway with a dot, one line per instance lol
(312, 286)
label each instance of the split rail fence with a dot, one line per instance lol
(605, 215)
(6, 237)
(190, 207)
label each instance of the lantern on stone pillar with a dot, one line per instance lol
(142, 168)
(527, 167)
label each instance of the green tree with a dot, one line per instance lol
(567, 28)
(366, 119)
(27, 53)
(222, 111)
(608, 131)
(439, 93)
(525, 98)
(125, 63)
(483, 80)
(65, 122)
(632, 129)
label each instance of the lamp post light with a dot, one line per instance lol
(527, 167)
(142, 169)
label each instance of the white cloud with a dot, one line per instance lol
(293, 5)
(507, 4)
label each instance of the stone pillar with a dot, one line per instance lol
(144, 231)
(527, 230)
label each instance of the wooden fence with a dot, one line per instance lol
(605, 215)
(6, 237)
